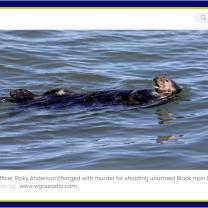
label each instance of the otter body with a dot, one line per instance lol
(164, 90)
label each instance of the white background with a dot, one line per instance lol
(103, 18)
(108, 190)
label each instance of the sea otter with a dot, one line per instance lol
(162, 92)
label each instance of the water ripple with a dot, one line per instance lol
(172, 136)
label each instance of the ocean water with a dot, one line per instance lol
(170, 136)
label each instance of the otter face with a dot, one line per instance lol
(165, 86)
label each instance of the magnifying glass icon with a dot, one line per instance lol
(203, 17)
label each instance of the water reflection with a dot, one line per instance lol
(164, 116)
(162, 139)
(167, 138)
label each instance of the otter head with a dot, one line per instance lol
(165, 86)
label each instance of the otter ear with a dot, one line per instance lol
(21, 95)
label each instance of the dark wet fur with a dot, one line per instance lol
(64, 97)
(111, 97)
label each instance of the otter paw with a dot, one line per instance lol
(21, 95)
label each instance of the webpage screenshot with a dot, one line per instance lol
(103, 104)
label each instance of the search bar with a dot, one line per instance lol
(202, 17)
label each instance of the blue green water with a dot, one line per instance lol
(171, 136)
